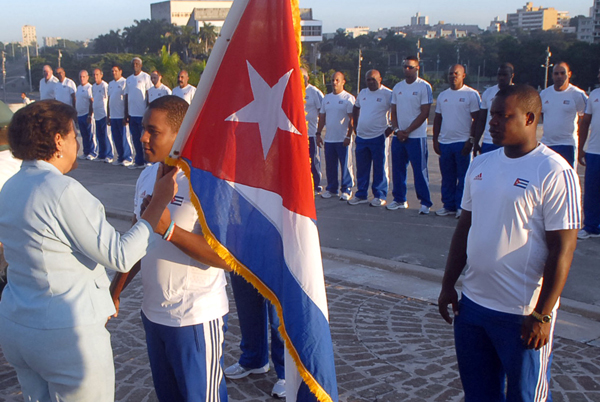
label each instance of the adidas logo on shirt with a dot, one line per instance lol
(596, 100)
(566, 102)
(415, 93)
(478, 177)
(462, 100)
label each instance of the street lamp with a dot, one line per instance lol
(546, 66)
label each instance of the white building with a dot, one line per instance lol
(178, 12)
(356, 31)
(29, 35)
(595, 14)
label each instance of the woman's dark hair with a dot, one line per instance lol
(32, 129)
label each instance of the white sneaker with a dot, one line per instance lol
(279, 389)
(326, 194)
(424, 210)
(444, 212)
(134, 166)
(237, 371)
(356, 201)
(108, 160)
(394, 205)
(584, 234)
(345, 197)
(126, 163)
(378, 202)
(90, 157)
(458, 213)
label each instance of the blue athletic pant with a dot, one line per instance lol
(336, 154)
(491, 356)
(87, 136)
(566, 151)
(120, 139)
(135, 128)
(104, 146)
(187, 362)
(315, 163)
(485, 147)
(371, 151)
(255, 313)
(591, 194)
(453, 166)
(413, 150)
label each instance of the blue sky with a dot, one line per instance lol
(73, 19)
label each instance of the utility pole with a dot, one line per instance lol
(437, 69)
(29, 68)
(419, 51)
(360, 58)
(457, 54)
(4, 74)
(59, 57)
(546, 66)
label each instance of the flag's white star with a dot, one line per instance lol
(265, 109)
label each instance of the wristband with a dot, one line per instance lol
(169, 232)
(318, 133)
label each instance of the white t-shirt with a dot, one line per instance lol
(514, 202)
(83, 97)
(135, 89)
(312, 105)
(593, 108)
(178, 290)
(47, 88)
(560, 109)
(374, 114)
(486, 103)
(100, 93)
(116, 90)
(408, 99)
(155, 93)
(456, 107)
(186, 93)
(63, 91)
(336, 109)
(9, 165)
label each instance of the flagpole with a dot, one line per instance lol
(208, 76)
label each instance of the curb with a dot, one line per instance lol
(435, 275)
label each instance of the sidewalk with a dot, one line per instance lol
(389, 345)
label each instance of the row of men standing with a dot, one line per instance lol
(116, 104)
(461, 129)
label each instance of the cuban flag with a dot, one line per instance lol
(244, 147)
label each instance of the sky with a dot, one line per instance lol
(75, 20)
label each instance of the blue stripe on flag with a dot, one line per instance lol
(304, 322)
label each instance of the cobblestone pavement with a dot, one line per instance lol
(387, 347)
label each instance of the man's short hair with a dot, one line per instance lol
(413, 58)
(136, 58)
(33, 128)
(507, 66)
(528, 99)
(565, 63)
(174, 106)
(117, 66)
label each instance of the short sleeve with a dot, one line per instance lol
(561, 201)
(125, 88)
(581, 102)
(357, 103)
(438, 105)
(394, 98)
(426, 95)
(318, 99)
(322, 108)
(148, 83)
(467, 202)
(475, 102)
(350, 105)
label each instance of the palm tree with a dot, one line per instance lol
(207, 35)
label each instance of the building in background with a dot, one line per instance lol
(356, 31)
(529, 18)
(419, 20)
(29, 36)
(595, 14)
(51, 41)
(178, 12)
(497, 25)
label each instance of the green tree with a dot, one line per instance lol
(207, 36)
